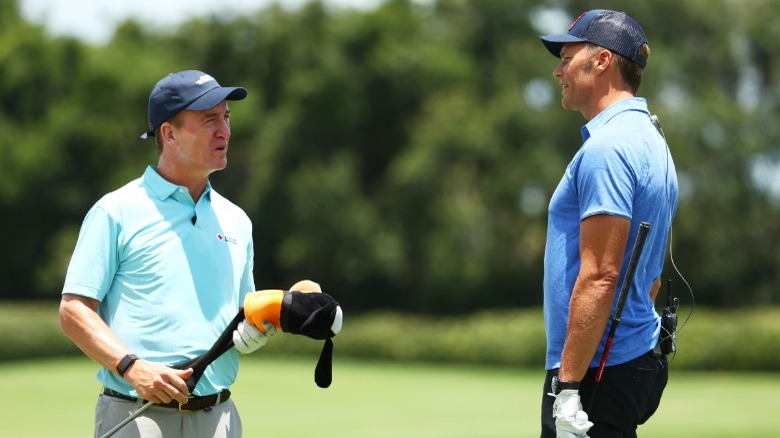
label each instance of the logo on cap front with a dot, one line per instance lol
(203, 79)
(577, 20)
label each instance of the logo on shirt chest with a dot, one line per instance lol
(231, 240)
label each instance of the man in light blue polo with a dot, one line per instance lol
(160, 268)
(621, 176)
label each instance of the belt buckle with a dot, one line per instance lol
(182, 410)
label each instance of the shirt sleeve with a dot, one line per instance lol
(605, 181)
(94, 261)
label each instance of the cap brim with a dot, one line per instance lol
(215, 96)
(554, 43)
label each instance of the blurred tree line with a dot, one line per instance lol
(401, 156)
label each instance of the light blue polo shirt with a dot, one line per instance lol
(623, 169)
(167, 287)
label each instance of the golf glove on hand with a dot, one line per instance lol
(570, 420)
(248, 338)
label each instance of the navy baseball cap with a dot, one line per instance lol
(186, 90)
(611, 30)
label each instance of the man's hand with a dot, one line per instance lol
(158, 383)
(570, 420)
(248, 338)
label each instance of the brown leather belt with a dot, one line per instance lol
(195, 403)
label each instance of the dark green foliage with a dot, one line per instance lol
(404, 156)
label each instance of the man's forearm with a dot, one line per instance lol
(589, 310)
(602, 244)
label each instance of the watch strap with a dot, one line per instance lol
(567, 385)
(560, 385)
(124, 364)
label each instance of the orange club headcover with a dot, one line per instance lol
(303, 310)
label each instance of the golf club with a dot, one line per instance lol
(633, 261)
(315, 315)
(198, 365)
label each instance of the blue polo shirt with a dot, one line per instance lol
(624, 169)
(167, 287)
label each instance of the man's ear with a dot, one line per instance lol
(168, 133)
(603, 59)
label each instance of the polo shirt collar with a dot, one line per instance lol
(163, 188)
(602, 118)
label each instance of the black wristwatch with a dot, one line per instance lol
(125, 363)
(559, 385)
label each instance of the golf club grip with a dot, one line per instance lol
(633, 261)
(604, 356)
(222, 345)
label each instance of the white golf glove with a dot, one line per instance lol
(247, 338)
(570, 420)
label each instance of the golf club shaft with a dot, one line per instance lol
(132, 416)
(220, 347)
(633, 261)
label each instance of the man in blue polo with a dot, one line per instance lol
(622, 175)
(160, 268)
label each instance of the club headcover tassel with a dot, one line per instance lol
(312, 314)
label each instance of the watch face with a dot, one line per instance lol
(554, 385)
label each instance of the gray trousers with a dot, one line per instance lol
(221, 421)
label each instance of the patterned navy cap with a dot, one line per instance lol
(611, 30)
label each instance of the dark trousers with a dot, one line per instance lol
(627, 396)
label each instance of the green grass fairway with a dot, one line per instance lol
(378, 399)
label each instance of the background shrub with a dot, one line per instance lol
(744, 340)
